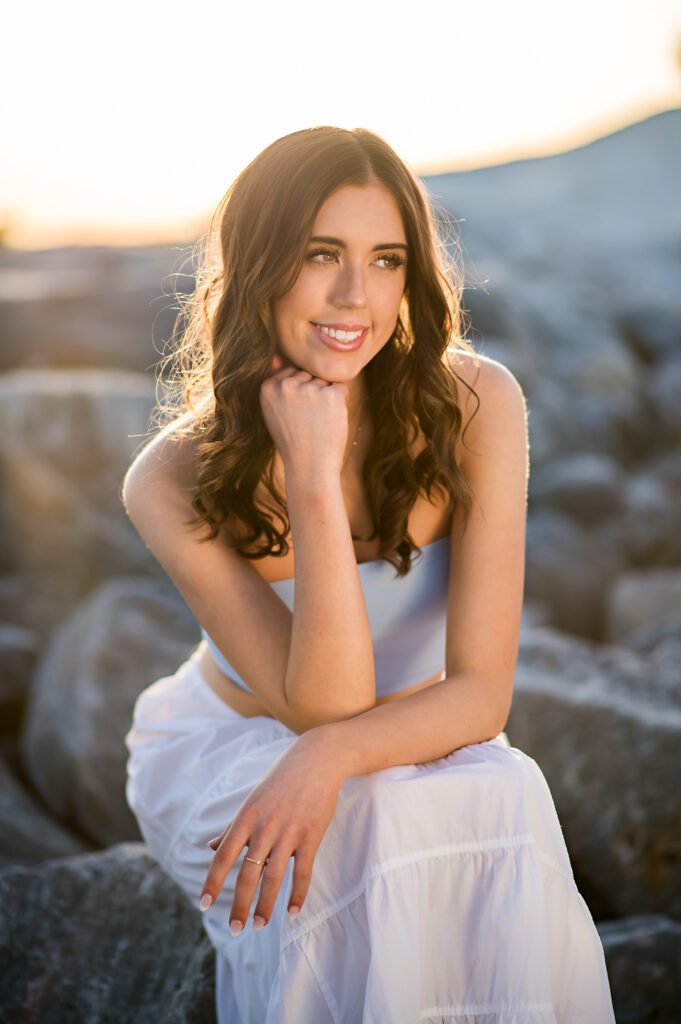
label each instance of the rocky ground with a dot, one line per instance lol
(573, 281)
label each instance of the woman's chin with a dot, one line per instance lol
(324, 369)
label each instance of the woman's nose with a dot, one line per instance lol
(349, 288)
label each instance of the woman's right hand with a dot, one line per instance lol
(307, 418)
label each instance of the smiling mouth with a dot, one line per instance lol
(348, 333)
(340, 344)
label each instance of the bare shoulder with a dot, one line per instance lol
(490, 378)
(169, 460)
(500, 402)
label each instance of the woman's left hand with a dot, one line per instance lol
(286, 814)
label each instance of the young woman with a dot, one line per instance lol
(359, 591)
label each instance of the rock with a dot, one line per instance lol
(17, 655)
(66, 441)
(667, 467)
(638, 673)
(100, 938)
(28, 833)
(534, 613)
(499, 325)
(32, 608)
(89, 306)
(652, 331)
(641, 598)
(646, 529)
(665, 663)
(574, 349)
(660, 642)
(128, 633)
(566, 262)
(585, 486)
(654, 635)
(643, 957)
(569, 569)
(664, 388)
(549, 426)
(607, 741)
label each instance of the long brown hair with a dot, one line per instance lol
(252, 253)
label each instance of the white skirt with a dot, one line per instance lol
(440, 891)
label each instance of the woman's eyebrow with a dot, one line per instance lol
(339, 242)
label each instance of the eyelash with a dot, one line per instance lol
(398, 261)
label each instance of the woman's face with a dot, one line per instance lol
(354, 278)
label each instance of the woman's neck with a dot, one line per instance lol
(358, 393)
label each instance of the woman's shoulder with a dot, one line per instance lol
(169, 458)
(495, 385)
(481, 372)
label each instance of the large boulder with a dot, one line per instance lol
(641, 598)
(17, 656)
(607, 736)
(102, 938)
(66, 441)
(643, 957)
(569, 569)
(90, 306)
(128, 633)
(646, 527)
(29, 833)
(586, 487)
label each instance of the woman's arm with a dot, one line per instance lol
(247, 620)
(330, 673)
(484, 607)
(330, 669)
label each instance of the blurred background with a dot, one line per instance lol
(552, 135)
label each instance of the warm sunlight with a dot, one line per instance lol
(130, 128)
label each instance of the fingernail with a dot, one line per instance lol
(292, 911)
(206, 901)
(235, 927)
(258, 922)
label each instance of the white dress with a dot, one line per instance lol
(440, 891)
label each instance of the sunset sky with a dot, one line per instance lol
(127, 123)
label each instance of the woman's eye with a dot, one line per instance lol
(395, 261)
(322, 252)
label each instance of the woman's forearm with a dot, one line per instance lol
(330, 672)
(424, 726)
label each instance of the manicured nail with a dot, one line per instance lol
(235, 927)
(258, 922)
(206, 901)
(292, 911)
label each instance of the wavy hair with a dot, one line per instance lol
(251, 254)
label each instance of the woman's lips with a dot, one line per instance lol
(334, 343)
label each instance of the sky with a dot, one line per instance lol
(127, 123)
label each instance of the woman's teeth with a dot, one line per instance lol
(339, 335)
